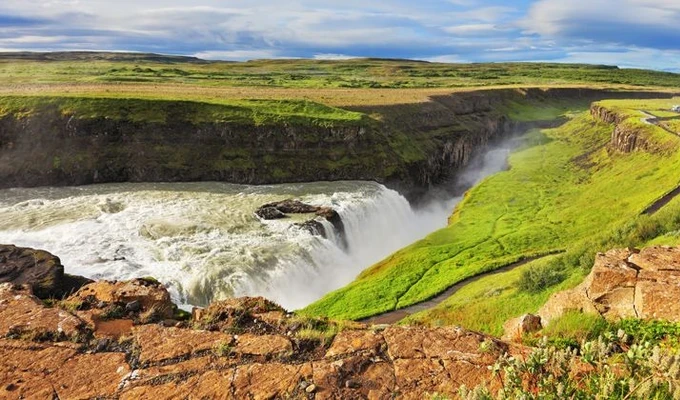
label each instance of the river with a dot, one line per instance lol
(203, 241)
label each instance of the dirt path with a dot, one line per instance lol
(392, 317)
(659, 204)
(654, 120)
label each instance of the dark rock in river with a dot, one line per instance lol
(278, 210)
(269, 213)
(291, 206)
(39, 270)
(314, 227)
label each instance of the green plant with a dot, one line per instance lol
(641, 371)
(224, 349)
(540, 278)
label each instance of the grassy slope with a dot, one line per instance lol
(257, 112)
(486, 304)
(564, 185)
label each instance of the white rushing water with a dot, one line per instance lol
(203, 241)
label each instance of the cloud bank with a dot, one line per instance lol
(631, 33)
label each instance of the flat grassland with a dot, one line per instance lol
(565, 190)
(346, 83)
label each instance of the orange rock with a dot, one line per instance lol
(25, 315)
(270, 381)
(449, 343)
(265, 345)
(657, 258)
(516, 328)
(348, 342)
(167, 391)
(152, 296)
(625, 284)
(90, 375)
(159, 343)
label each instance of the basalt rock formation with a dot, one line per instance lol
(410, 147)
(624, 138)
(625, 283)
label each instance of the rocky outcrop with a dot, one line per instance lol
(628, 140)
(240, 348)
(39, 270)
(23, 315)
(625, 283)
(625, 138)
(280, 209)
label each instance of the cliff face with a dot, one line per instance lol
(413, 147)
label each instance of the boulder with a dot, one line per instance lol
(136, 297)
(625, 283)
(39, 270)
(245, 314)
(291, 206)
(269, 213)
(516, 328)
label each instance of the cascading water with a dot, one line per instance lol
(203, 241)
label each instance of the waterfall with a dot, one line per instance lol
(203, 241)
(375, 227)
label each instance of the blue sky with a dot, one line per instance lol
(628, 33)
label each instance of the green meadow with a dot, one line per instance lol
(143, 69)
(566, 190)
(256, 112)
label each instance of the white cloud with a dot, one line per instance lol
(474, 29)
(633, 22)
(331, 56)
(237, 55)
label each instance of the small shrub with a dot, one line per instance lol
(540, 277)
(224, 349)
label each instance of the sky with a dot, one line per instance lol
(627, 33)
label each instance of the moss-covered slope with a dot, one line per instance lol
(565, 186)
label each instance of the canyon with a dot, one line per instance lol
(408, 147)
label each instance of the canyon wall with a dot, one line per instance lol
(409, 147)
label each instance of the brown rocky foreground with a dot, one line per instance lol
(127, 340)
(242, 348)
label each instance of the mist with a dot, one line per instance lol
(374, 230)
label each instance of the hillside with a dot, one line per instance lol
(580, 188)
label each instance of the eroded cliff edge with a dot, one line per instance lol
(409, 146)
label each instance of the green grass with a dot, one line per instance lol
(257, 112)
(358, 73)
(487, 303)
(564, 186)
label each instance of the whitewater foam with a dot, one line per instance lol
(203, 241)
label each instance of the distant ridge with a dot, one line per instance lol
(97, 55)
